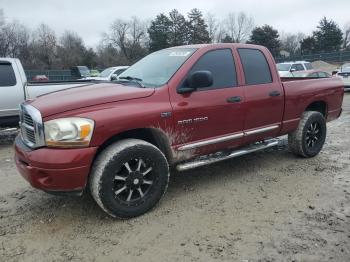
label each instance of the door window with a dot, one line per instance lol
(220, 63)
(255, 66)
(7, 75)
(308, 66)
(297, 67)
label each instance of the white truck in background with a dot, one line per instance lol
(286, 69)
(14, 89)
(344, 73)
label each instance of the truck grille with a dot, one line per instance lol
(27, 119)
(32, 131)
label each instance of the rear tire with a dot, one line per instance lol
(129, 178)
(308, 139)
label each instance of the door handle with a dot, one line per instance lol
(274, 93)
(234, 99)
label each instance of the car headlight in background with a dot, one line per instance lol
(68, 132)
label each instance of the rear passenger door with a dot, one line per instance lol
(263, 93)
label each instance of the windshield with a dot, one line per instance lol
(345, 67)
(283, 67)
(106, 72)
(157, 68)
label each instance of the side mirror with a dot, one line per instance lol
(114, 77)
(334, 72)
(200, 79)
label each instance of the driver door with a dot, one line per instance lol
(210, 118)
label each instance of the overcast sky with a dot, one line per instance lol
(90, 18)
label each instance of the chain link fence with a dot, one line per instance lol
(53, 75)
(331, 57)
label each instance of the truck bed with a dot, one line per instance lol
(303, 91)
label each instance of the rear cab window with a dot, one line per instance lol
(255, 66)
(221, 64)
(7, 75)
(323, 74)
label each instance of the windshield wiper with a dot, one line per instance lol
(134, 79)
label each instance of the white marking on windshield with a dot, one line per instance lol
(179, 53)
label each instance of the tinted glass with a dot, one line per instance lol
(298, 67)
(308, 66)
(7, 75)
(323, 74)
(255, 66)
(220, 63)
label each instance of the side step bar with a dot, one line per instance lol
(210, 159)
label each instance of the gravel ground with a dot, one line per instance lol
(267, 206)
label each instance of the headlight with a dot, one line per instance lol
(68, 132)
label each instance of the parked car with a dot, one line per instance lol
(110, 73)
(285, 69)
(14, 89)
(314, 73)
(94, 72)
(40, 78)
(182, 107)
(344, 74)
(79, 72)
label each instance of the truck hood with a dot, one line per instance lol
(85, 96)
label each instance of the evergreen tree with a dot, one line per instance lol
(328, 37)
(197, 28)
(266, 36)
(178, 28)
(308, 45)
(159, 33)
(227, 39)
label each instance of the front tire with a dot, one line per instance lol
(129, 178)
(308, 139)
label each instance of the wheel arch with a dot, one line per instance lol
(154, 136)
(318, 106)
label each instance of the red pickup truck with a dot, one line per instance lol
(180, 107)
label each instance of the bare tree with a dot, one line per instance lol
(138, 31)
(45, 46)
(2, 17)
(14, 40)
(118, 35)
(291, 42)
(238, 26)
(129, 37)
(220, 35)
(71, 50)
(346, 43)
(137, 39)
(213, 27)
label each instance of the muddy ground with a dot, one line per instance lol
(267, 206)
